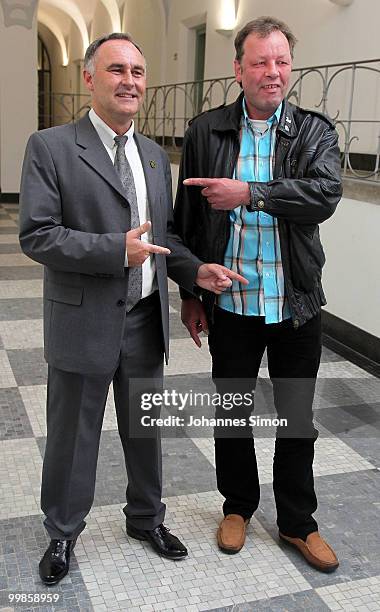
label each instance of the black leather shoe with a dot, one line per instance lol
(163, 542)
(55, 563)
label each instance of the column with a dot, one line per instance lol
(18, 89)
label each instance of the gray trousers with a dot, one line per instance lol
(75, 409)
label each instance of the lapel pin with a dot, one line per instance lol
(152, 163)
(287, 128)
(288, 120)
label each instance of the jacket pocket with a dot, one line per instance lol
(63, 293)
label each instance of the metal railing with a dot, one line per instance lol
(348, 92)
(64, 107)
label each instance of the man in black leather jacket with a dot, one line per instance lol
(256, 179)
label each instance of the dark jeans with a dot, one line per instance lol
(237, 344)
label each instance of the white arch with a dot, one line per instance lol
(163, 8)
(114, 13)
(52, 25)
(71, 9)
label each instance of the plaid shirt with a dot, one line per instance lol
(253, 249)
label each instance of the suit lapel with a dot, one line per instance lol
(93, 152)
(151, 168)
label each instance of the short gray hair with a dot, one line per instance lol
(263, 27)
(89, 58)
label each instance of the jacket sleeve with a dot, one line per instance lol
(311, 198)
(187, 200)
(43, 235)
(182, 265)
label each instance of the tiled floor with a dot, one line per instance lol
(113, 572)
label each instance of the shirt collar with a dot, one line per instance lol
(105, 133)
(274, 118)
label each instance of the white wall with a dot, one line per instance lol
(327, 33)
(18, 99)
(143, 19)
(183, 18)
(351, 276)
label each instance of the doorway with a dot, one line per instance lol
(199, 66)
(44, 86)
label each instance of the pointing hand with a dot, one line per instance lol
(138, 250)
(222, 193)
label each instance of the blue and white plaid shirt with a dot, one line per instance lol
(253, 249)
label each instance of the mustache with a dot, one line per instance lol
(131, 92)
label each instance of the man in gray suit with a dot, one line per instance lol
(96, 210)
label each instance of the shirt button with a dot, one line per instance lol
(120, 303)
(260, 204)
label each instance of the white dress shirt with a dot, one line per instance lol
(107, 135)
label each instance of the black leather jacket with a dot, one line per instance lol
(305, 191)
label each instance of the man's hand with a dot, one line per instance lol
(217, 278)
(138, 250)
(222, 193)
(193, 316)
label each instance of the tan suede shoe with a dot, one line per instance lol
(315, 550)
(231, 533)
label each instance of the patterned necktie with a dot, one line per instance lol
(124, 171)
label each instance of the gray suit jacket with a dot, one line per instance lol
(73, 219)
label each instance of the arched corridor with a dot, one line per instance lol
(189, 48)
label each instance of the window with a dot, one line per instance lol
(44, 87)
